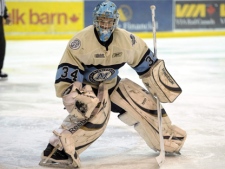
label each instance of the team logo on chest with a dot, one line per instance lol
(100, 75)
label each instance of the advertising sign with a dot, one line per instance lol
(199, 14)
(135, 16)
(44, 18)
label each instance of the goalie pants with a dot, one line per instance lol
(114, 107)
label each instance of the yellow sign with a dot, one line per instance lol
(37, 18)
(222, 10)
(190, 10)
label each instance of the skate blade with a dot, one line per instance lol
(54, 164)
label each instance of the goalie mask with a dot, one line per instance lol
(105, 19)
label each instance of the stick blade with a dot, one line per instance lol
(161, 158)
(53, 164)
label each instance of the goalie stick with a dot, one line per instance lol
(161, 158)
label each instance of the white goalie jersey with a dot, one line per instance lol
(89, 61)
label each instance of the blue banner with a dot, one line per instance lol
(135, 16)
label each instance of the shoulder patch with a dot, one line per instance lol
(133, 40)
(75, 44)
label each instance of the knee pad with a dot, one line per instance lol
(141, 112)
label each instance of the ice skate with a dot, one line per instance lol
(3, 76)
(51, 157)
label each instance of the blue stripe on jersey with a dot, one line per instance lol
(146, 62)
(68, 73)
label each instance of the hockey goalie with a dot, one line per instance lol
(87, 80)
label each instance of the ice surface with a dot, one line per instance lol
(29, 109)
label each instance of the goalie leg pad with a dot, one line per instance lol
(141, 112)
(75, 136)
(63, 139)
